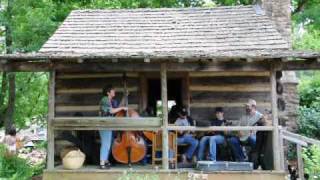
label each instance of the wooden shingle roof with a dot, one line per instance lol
(152, 32)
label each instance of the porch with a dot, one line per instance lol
(148, 172)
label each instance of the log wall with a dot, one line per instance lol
(81, 92)
(229, 90)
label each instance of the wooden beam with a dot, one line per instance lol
(186, 91)
(310, 64)
(196, 104)
(92, 90)
(221, 128)
(133, 66)
(95, 128)
(302, 138)
(275, 121)
(230, 73)
(294, 140)
(300, 162)
(26, 67)
(282, 155)
(143, 93)
(114, 60)
(262, 87)
(164, 98)
(94, 75)
(86, 108)
(50, 130)
(110, 122)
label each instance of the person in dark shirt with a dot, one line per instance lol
(186, 137)
(214, 138)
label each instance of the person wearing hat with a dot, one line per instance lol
(251, 118)
(186, 137)
(214, 138)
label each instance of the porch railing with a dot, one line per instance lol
(300, 141)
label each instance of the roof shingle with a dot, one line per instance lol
(148, 31)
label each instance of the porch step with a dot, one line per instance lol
(138, 173)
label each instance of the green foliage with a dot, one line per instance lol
(311, 157)
(41, 145)
(310, 40)
(30, 22)
(38, 169)
(309, 90)
(31, 98)
(31, 104)
(309, 14)
(13, 167)
(309, 122)
(307, 18)
(309, 111)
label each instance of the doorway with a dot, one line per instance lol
(174, 89)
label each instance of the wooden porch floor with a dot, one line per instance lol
(148, 172)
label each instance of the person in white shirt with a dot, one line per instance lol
(251, 118)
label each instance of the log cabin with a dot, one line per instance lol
(198, 57)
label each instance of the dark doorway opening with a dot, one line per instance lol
(174, 92)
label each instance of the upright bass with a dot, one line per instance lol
(129, 147)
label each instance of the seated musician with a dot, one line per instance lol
(107, 109)
(185, 137)
(213, 138)
(251, 118)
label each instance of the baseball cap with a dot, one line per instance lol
(251, 102)
(219, 109)
(183, 112)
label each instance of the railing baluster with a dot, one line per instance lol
(300, 161)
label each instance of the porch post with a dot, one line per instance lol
(275, 121)
(50, 131)
(164, 98)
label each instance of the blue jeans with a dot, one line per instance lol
(106, 140)
(191, 141)
(237, 148)
(212, 141)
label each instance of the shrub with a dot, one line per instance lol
(309, 122)
(14, 168)
(311, 157)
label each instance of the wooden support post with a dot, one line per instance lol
(50, 129)
(300, 162)
(275, 121)
(143, 92)
(164, 98)
(282, 166)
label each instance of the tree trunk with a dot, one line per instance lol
(8, 27)
(4, 86)
(8, 121)
(8, 118)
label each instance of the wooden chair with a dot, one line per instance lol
(157, 147)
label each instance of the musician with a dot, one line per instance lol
(213, 138)
(186, 137)
(251, 118)
(107, 108)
